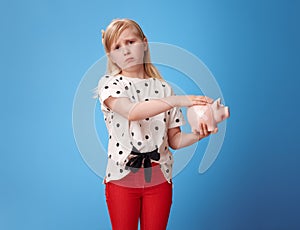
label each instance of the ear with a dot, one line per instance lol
(145, 41)
(217, 102)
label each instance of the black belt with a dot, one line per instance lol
(139, 159)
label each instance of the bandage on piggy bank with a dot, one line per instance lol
(210, 114)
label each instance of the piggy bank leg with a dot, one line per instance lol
(215, 130)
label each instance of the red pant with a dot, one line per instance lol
(131, 199)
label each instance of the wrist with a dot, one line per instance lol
(172, 101)
(197, 136)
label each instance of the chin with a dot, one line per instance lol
(132, 66)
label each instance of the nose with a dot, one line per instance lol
(125, 50)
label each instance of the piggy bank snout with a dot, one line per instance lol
(227, 112)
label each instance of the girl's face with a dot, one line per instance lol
(128, 49)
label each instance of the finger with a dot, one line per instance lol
(201, 129)
(208, 100)
(199, 100)
(205, 131)
(204, 100)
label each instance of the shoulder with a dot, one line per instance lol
(109, 80)
(104, 80)
(165, 86)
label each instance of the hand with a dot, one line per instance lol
(187, 100)
(200, 100)
(203, 132)
(190, 100)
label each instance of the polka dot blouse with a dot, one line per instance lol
(144, 135)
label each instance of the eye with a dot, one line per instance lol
(131, 42)
(117, 47)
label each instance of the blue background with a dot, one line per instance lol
(251, 47)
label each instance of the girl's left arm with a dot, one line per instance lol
(178, 139)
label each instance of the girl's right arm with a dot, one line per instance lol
(145, 109)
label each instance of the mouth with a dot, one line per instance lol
(129, 59)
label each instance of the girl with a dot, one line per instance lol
(143, 120)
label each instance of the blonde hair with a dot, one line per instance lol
(112, 33)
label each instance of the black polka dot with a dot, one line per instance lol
(132, 133)
(114, 83)
(146, 84)
(163, 138)
(117, 163)
(118, 92)
(109, 136)
(109, 156)
(167, 171)
(168, 112)
(117, 80)
(146, 99)
(133, 97)
(108, 174)
(177, 120)
(156, 91)
(139, 143)
(120, 152)
(118, 125)
(166, 147)
(107, 76)
(112, 117)
(170, 157)
(163, 85)
(147, 137)
(165, 119)
(131, 143)
(117, 144)
(147, 119)
(126, 87)
(156, 128)
(138, 91)
(121, 170)
(129, 83)
(106, 87)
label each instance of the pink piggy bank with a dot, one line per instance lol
(210, 114)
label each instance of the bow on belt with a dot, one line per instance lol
(139, 159)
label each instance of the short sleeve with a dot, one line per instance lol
(110, 86)
(176, 118)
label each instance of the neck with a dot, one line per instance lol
(137, 71)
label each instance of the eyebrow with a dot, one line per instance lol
(126, 40)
